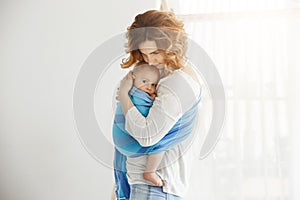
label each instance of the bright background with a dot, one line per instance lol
(255, 48)
(43, 45)
(256, 51)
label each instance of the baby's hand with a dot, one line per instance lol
(153, 95)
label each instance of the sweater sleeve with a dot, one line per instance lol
(174, 97)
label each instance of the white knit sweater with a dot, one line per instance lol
(176, 93)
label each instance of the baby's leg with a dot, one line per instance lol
(151, 167)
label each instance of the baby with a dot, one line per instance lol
(145, 78)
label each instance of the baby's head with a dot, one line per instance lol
(146, 78)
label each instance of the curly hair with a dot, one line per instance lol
(163, 28)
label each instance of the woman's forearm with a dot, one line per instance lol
(163, 114)
(126, 103)
(125, 86)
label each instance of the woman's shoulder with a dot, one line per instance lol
(181, 80)
(180, 85)
(191, 73)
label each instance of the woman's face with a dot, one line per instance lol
(151, 54)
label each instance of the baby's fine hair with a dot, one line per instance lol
(143, 66)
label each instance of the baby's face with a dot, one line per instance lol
(146, 81)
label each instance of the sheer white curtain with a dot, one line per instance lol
(250, 42)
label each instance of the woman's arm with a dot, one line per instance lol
(125, 85)
(164, 113)
(174, 97)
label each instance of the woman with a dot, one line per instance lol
(159, 39)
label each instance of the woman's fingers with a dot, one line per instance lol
(117, 94)
(128, 76)
(126, 83)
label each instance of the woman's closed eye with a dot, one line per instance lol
(152, 53)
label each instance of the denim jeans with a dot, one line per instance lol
(148, 192)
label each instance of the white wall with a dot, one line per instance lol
(42, 47)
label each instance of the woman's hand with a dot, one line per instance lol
(125, 85)
(113, 194)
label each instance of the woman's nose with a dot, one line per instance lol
(151, 60)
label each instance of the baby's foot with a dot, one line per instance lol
(153, 178)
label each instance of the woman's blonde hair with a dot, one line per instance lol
(163, 28)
